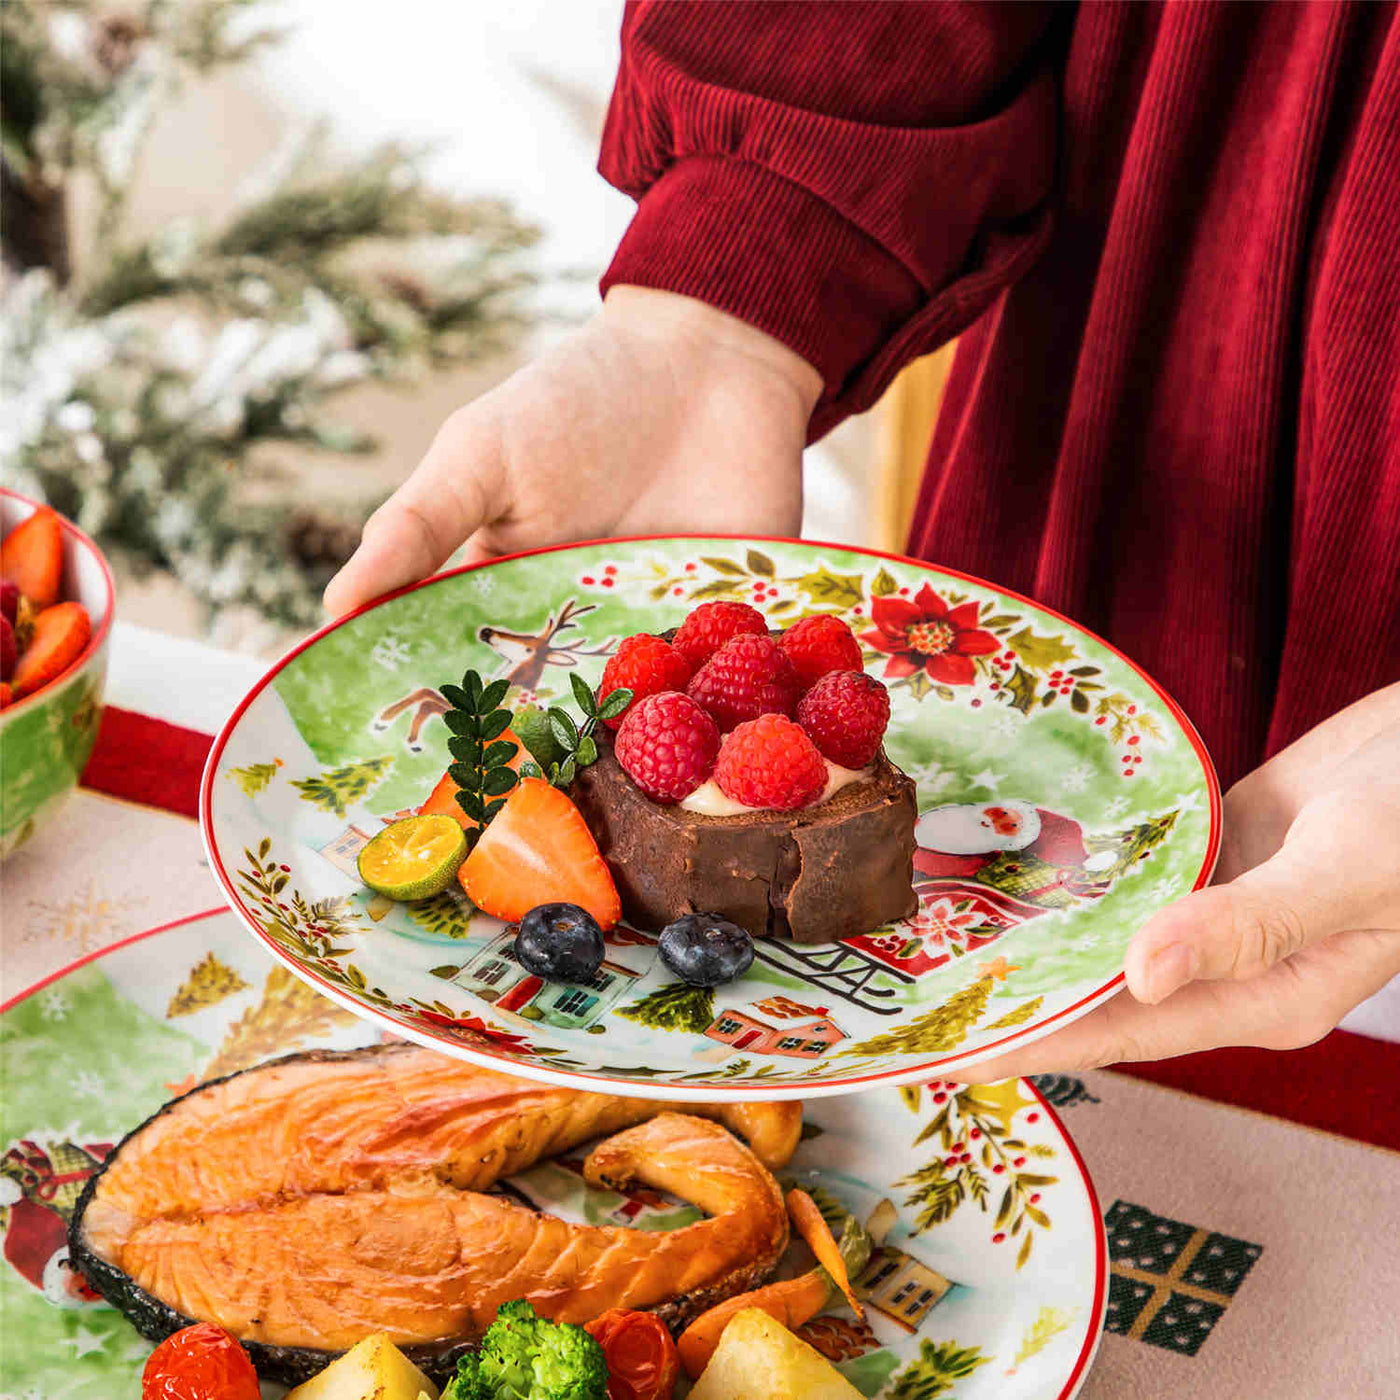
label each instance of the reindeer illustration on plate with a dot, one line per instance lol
(524, 659)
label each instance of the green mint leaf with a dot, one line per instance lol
(457, 697)
(465, 775)
(498, 781)
(616, 701)
(494, 725)
(492, 696)
(460, 722)
(587, 751)
(470, 803)
(531, 769)
(565, 730)
(498, 753)
(554, 774)
(471, 684)
(492, 808)
(567, 772)
(583, 693)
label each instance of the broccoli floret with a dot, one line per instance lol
(527, 1357)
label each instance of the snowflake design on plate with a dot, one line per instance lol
(1077, 779)
(53, 1005)
(391, 652)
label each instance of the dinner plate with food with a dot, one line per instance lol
(705, 818)
(217, 1184)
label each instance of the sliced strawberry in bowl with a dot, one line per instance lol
(60, 634)
(31, 557)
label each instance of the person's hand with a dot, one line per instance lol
(661, 416)
(1301, 925)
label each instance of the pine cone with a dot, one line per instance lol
(317, 543)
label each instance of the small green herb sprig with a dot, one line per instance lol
(481, 755)
(573, 742)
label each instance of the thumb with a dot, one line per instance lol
(1328, 877)
(452, 492)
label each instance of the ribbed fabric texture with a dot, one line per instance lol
(1170, 237)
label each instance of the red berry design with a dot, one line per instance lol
(667, 745)
(846, 713)
(816, 645)
(645, 665)
(711, 625)
(748, 676)
(770, 762)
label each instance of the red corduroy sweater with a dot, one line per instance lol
(1170, 239)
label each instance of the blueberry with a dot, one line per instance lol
(560, 942)
(705, 950)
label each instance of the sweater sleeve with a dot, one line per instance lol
(858, 180)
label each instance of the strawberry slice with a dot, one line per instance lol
(60, 634)
(9, 651)
(539, 850)
(6, 694)
(442, 801)
(31, 557)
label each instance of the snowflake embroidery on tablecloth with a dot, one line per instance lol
(1116, 807)
(988, 779)
(1166, 889)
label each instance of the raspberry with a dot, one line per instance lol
(667, 745)
(770, 762)
(711, 625)
(645, 665)
(817, 645)
(846, 713)
(748, 676)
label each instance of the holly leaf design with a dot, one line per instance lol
(1021, 689)
(835, 590)
(723, 566)
(883, 584)
(1040, 653)
(760, 564)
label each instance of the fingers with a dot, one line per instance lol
(452, 493)
(1332, 873)
(1292, 1005)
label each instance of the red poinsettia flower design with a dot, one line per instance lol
(472, 1030)
(925, 634)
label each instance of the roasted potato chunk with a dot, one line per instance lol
(758, 1357)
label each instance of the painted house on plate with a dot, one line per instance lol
(804, 1041)
(495, 975)
(899, 1286)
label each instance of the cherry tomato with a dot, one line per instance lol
(641, 1357)
(199, 1363)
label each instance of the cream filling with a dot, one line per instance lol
(709, 801)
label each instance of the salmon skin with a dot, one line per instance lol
(312, 1200)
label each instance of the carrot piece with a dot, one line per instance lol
(808, 1220)
(60, 634)
(32, 557)
(792, 1301)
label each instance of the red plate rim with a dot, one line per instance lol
(736, 1089)
(1093, 1332)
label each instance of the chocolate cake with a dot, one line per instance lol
(833, 870)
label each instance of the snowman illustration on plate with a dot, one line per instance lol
(982, 868)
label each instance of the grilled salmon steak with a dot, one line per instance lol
(313, 1200)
